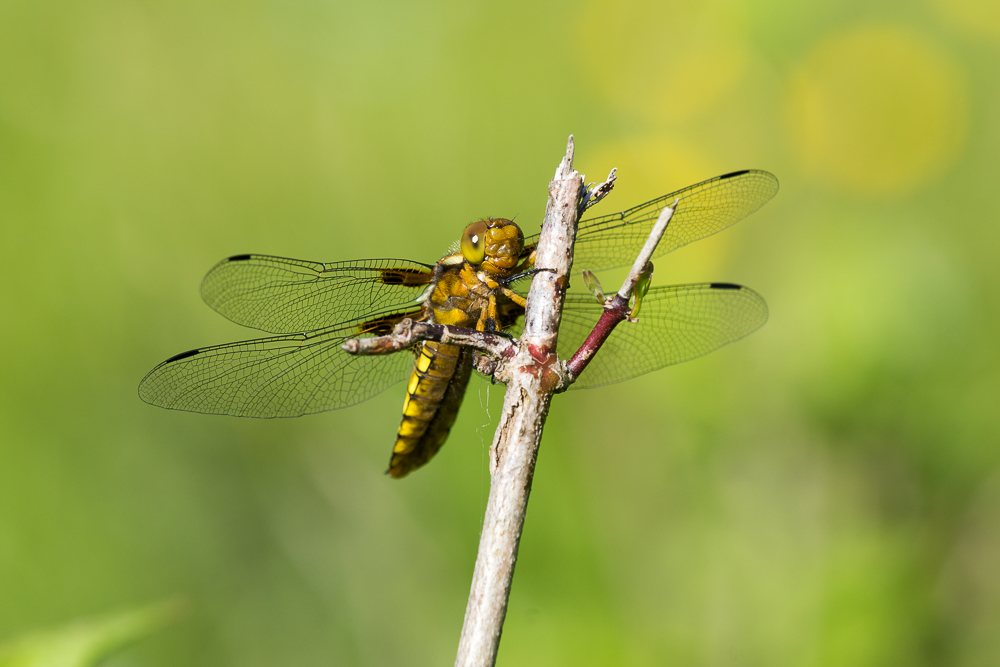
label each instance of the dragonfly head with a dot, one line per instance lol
(493, 244)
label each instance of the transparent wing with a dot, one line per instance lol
(676, 323)
(278, 376)
(705, 208)
(281, 295)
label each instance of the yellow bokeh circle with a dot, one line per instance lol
(878, 110)
(650, 166)
(978, 17)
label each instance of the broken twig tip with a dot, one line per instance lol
(599, 192)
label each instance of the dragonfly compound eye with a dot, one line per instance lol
(474, 242)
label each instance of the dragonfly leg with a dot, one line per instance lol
(488, 319)
(502, 334)
(483, 316)
(491, 313)
(514, 296)
(528, 261)
(523, 274)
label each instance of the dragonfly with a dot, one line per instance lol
(311, 308)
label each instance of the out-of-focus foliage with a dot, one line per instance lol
(825, 492)
(85, 642)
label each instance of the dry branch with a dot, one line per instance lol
(532, 372)
(532, 376)
(408, 333)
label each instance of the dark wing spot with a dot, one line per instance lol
(182, 355)
(239, 258)
(725, 286)
(733, 174)
(382, 326)
(406, 277)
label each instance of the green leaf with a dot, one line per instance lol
(594, 286)
(85, 642)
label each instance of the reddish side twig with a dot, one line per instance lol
(616, 309)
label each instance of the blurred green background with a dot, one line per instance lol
(826, 492)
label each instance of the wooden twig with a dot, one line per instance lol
(648, 248)
(408, 333)
(616, 309)
(531, 376)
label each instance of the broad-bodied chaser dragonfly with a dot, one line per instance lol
(315, 306)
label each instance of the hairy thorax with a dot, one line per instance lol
(463, 290)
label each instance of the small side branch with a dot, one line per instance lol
(646, 254)
(408, 333)
(616, 310)
(597, 193)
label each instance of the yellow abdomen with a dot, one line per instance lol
(433, 396)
